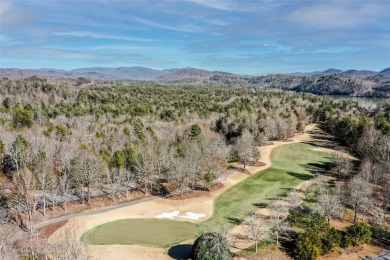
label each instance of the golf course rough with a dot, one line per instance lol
(291, 165)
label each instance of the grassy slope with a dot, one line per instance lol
(291, 164)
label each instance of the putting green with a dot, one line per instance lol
(149, 232)
(291, 165)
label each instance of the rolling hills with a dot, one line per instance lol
(364, 83)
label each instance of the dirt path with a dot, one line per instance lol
(150, 209)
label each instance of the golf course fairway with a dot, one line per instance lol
(291, 165)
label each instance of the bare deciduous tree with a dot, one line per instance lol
(180, 174)
(144, 167)
(278, 209)
(44, 180)
(343, 166)
(89, 172)
(359, 193)
(256, 228)
(7, 252)
(22, 198)
(246, 147)
(68, 246)
(293, 199)
(386, 196)
(328, 202)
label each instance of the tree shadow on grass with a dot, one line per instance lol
(321, 139)
(300, 175)
(315, 168)
(180, 252)
(260, 205)
(235, 221)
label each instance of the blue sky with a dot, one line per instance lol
(245, 37)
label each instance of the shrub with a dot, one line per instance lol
(318, 237)
(2, 147)
(380, 233)
(211, 246)
(7, 103)
(308, 245)
(62, 131)
(358, 233)
(22, 118)
(139, 129)
(331, 240)
(194, 131)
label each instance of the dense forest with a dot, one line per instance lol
(62, 142)
(326, 84)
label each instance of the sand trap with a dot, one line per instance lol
(169, 215)
(176, 214)
(193, 216)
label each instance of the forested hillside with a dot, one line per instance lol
(328, 82)
(61, 143)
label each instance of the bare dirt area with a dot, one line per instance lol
(196, 193)
(355, 253)
(364, 251)
(200, 204)
(266, 254)
(257, 164)
(50, 229)
(340, 225)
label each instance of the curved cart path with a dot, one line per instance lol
(383, 256)
(155, 206)
(21, 234)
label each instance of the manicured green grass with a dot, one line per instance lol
(291, 165)
(149, 232)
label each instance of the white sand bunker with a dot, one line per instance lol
(170, 215)
(176, 214)
(193, 216)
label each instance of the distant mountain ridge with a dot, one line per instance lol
(191, 73)
(96, 73)
(142, 73)
(332, 81)
(356, 73)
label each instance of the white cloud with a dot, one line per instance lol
(33, 52)
(177, 27)
(5, 7)
(335, 14)
(215, 4)
(6, 40)
(147, 49)
(237, 5)
(102, 36)
(11, 15)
